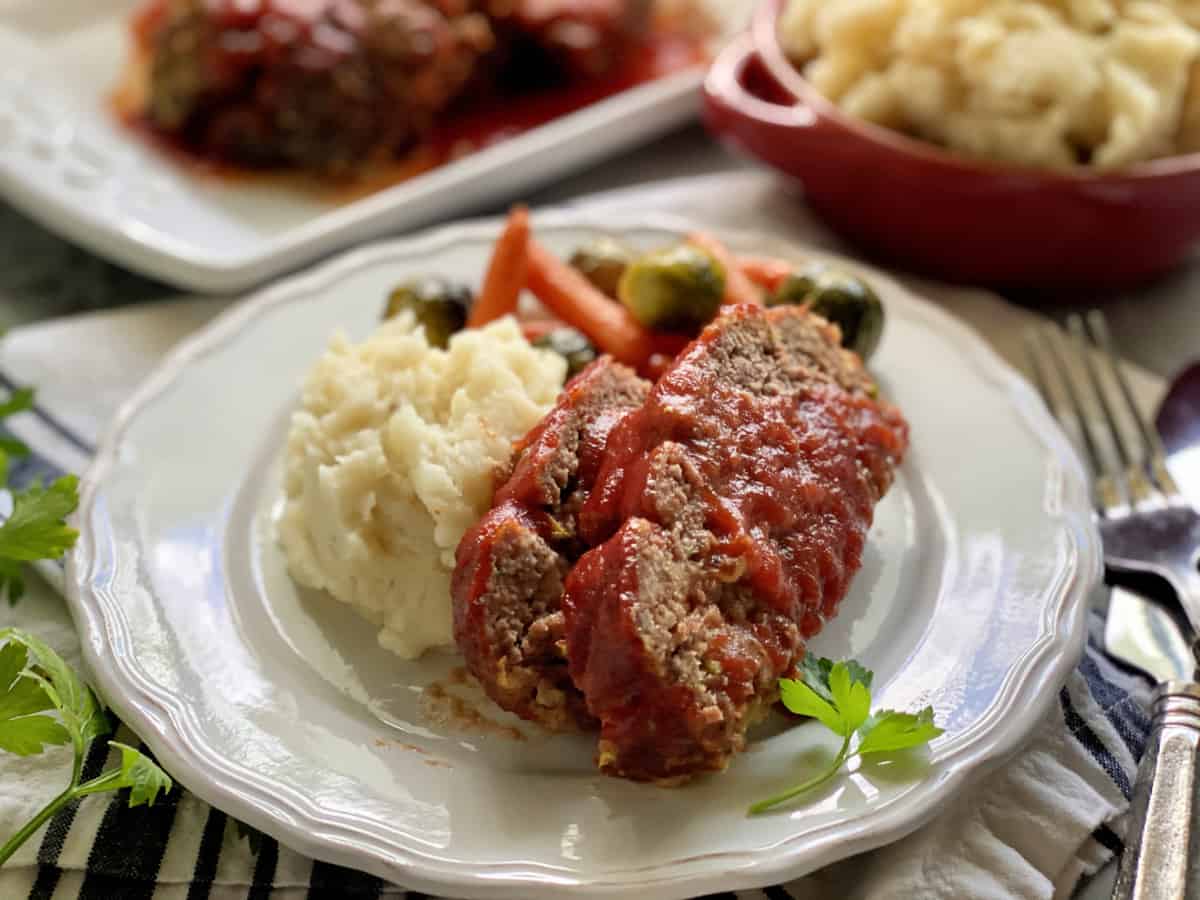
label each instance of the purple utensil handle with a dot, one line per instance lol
(1162, 847)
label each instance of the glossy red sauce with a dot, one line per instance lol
(525, 502)
(667, 49)
(791, 480)
(787, 477)
(662, 53)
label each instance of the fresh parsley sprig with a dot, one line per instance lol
(36, 527)
(838, 695)
(18, 401)
(34, 681)
(43, 702)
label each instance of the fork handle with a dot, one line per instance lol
(1162, 847)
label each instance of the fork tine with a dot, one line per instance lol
(1035, 356)
(1052, 340)
(1080, 339)
(1152, 448)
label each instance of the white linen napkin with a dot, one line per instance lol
(1028, 830)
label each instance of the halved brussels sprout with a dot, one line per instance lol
(847, 301)
(439, 305)
(675, 289)
(571, 345)
(603, 262)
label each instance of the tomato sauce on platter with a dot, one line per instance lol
(474, 123)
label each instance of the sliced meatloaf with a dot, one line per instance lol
(331, 85)
(324, 85)
(727, 519)
(508, 581)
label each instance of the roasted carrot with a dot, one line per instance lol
(571, 297)
(765, 271)
(738, 288)
(506, 272)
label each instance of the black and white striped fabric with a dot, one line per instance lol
(182, 848)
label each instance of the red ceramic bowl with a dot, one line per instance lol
(928, 210)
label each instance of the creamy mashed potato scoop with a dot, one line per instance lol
(391, 457)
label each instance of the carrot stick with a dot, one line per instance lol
(506, 272)
(765, 271)
(575, 300)
(738, 288)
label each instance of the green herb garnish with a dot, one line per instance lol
(838, 695)
(34, 681)
(43, 702)
(36, 528)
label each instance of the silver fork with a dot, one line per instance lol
(1146, 524)
(1147, 527)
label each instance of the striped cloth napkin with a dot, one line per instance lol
(1030, 829)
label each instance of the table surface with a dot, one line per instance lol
(42, 277)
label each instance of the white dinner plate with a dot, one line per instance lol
(66, 162)
(276, 705)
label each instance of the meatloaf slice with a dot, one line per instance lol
(324, 85)
(728, 517)
(329, 86)
(510, 568)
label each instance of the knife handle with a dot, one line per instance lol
(1162, 846)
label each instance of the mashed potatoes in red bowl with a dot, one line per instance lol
(939, 198)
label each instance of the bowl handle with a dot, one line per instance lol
(733, 107)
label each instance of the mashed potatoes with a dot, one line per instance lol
(391, 458)
(1098, 83)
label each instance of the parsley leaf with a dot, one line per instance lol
(82, 715)
(138, 773)
(817, 670)
(33, 680)
(12, 580)
(36, 529)
(889, 730)
(18, 401)
(801, 699)
(852, 698)
(838, 695)
(22, 731)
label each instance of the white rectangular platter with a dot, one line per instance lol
(67, 163)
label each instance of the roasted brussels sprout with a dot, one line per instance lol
(571, 345)
(797, 289)
(675, 289)
(439, 305)
(843, 299)
(603, 262)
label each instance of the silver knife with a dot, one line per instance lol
(1162, 849)
(1161, 859)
